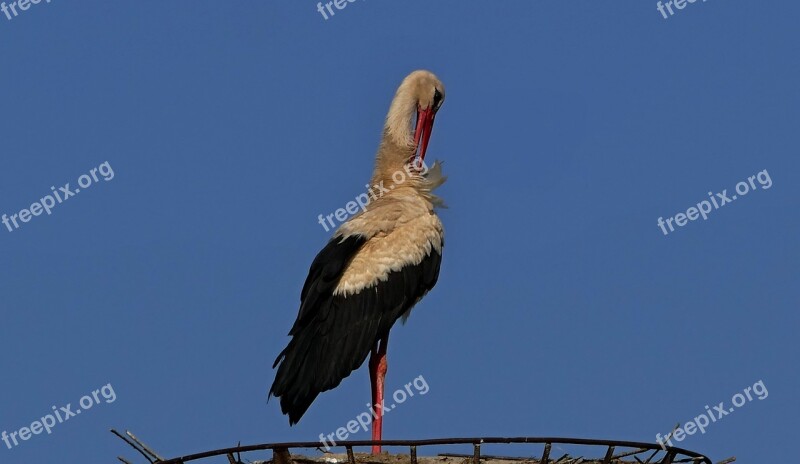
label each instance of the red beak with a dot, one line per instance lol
(422, 133)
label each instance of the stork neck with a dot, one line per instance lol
(397, 145)
(392, 158)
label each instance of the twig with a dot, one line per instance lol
(145, 447)
(124, 460)
(642, 450)
(132, 445)
(650, 458)
(628, 453)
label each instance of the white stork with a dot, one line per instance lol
(374, 269)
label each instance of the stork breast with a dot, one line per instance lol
(406, 245)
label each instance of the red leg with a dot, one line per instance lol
(377, 375)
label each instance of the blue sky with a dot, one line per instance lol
(561, 309)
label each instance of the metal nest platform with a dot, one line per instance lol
(542, 450)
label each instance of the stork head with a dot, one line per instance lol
(418, 99)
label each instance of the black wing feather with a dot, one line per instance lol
(333, 335)
(324, 274)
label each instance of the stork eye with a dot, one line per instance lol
(437, 99)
